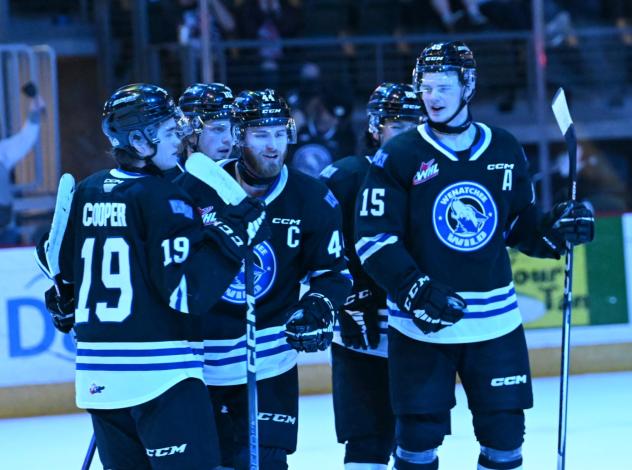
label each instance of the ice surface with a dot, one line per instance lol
(599, 432)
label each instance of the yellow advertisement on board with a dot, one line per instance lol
(540, 289)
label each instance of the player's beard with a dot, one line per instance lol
(262, 166)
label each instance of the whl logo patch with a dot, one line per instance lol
(465, 216)
(426, 171)
(207, 214)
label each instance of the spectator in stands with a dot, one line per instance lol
(301, 97)
(327, 135)
(269, 21)
(12, 150)
(221, 22)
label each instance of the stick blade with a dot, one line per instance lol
(561, 112)
(213, 175)
(65, 193)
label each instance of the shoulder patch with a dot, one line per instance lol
(331, 199)
(328, 171)
(379, 158)
(180, 207)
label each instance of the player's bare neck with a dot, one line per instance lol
(458, 142)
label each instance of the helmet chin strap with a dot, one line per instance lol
(150, 167)
(251, 178)
(445, 128)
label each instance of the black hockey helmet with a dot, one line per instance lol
(443, 57)
(206, 101)
(139, 109)
(258, 109)
(448, 56)
(394, 101)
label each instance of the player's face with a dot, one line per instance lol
(169, 143)
(216, 140)
(391, 128)
(265, 149)
(441, 93)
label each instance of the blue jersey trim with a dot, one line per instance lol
(136, 352)
(140, 367)
(468, 315)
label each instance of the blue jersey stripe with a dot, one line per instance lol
(467, 315)
(140, 367)
(273, 351)
(490, 300)
(135, 352)
(242, 344)
(368, 245)
(242, 357)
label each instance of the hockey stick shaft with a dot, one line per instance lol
(229, 190)
(87, 461)
(251, 358)
(562, 115)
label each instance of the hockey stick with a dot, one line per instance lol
(87, 461)
(564, 121)
(229, 190)
(52, 248)
(65, 193)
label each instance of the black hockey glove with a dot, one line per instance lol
(61, 307)
(239, 227)
(247, 219)
(571, 222)
(358, 318)
(432, 305)
(310, 327)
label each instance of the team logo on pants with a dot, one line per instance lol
(264, 273)
(465, 216)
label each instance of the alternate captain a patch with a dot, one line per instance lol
(465, 216)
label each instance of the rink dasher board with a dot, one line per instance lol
(37, 362)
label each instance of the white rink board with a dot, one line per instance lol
(32, 352)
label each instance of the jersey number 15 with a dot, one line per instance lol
(373, 204)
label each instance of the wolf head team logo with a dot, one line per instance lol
(264, 274)
(465, 216)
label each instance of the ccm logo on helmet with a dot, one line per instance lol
(163, 452)
(511, 380)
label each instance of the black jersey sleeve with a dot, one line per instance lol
(322, 248)
(188, 268)
(344, 179)
(525, 223)
(381, 211)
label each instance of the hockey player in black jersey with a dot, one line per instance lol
(441, 203)
(208, 107)
(144, 270)
(364, 419)
(306, 246)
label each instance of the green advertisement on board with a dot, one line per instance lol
(599, 288)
